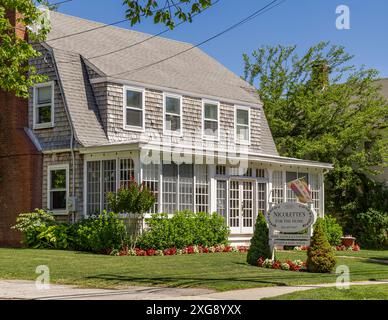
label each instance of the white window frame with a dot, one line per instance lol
(204, 136)
(51, 168)
(125, 107)
(35, 106)
(169, 132)
(236, 139)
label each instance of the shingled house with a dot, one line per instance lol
(119, 105)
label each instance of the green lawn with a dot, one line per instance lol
(219, 271)
(372, 292)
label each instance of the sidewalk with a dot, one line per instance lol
(20, 289)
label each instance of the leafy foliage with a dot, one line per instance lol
(15, 73)
(332, 230)
(372, 229)
(99, 233)
(184, 229)
(321, 107)
(259, 243)
(164, 11)
(134, 200)
(320, 254)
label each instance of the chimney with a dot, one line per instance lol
(20, 161)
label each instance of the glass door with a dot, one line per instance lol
(241, 206)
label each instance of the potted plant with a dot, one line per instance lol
(348, 240)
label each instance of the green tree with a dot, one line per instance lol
(134, 200)
(16, 75)
(321, 107)
(260, 241)
(320, 255)
(165, 12)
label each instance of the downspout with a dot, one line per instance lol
(72, 135)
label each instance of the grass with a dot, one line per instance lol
(219, 271)
(364, 292)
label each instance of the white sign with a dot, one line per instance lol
(298, 243)
(290, 217)
(293, 236)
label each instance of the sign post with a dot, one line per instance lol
(286, 220)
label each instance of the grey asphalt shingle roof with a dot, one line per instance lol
(79, 98)
(193, 71)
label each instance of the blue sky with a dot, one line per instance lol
(300, 22)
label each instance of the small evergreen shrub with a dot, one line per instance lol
(332, 230)
(183, 229)
(373, 229)
(259, 243)
(320, 254)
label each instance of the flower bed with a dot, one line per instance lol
(125, 251)
(355, 247)
(295, 265)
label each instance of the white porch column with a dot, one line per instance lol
(269, 188)
(213, 188)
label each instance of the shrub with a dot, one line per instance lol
(372, 229)
(182, 230)
(134, 199)
(32, 224)
(100, 233)
(332, 230)
(320, 254)
(259, 243)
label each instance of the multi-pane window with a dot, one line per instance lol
(221, 198)
(210, 120)
(260, 173)
(201, 189)
(277, 187)
(127, 171)
(109, 180)
(173, 114)
(43, 105)
(169, 190)
(186, 187)
(102, 177)
(242, 125)
(221, 170)
(134, 108)
(57, 188)
(315, 188)
(93, 187)
(261, 197)
(151, 181)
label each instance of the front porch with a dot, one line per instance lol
(235, 191)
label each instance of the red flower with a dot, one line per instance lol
(124, 251)
(151, 252)
(140, 252)
(260, 262)
(356, 247)
(205, 250)
(276, 264)
(190, 250)
(227, 249)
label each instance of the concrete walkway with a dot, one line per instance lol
(20, 289)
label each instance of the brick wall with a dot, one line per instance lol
(20, 164)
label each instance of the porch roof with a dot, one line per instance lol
(210, 153)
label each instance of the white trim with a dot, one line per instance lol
(125, 107)
(169, 132)
(176, 91)
(237, 141)
(204, 136)
(53, 168)
(46, 125)
(33, 138)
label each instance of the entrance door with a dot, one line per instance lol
(241, 206)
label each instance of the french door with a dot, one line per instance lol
(241, 206)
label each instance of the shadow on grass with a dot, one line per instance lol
(188, 281)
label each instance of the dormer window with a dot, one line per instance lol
(242, 125)
(210, 120)
(173, 114)
(43, 105)
(134, 109)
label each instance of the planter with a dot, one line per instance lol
(348, 241)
